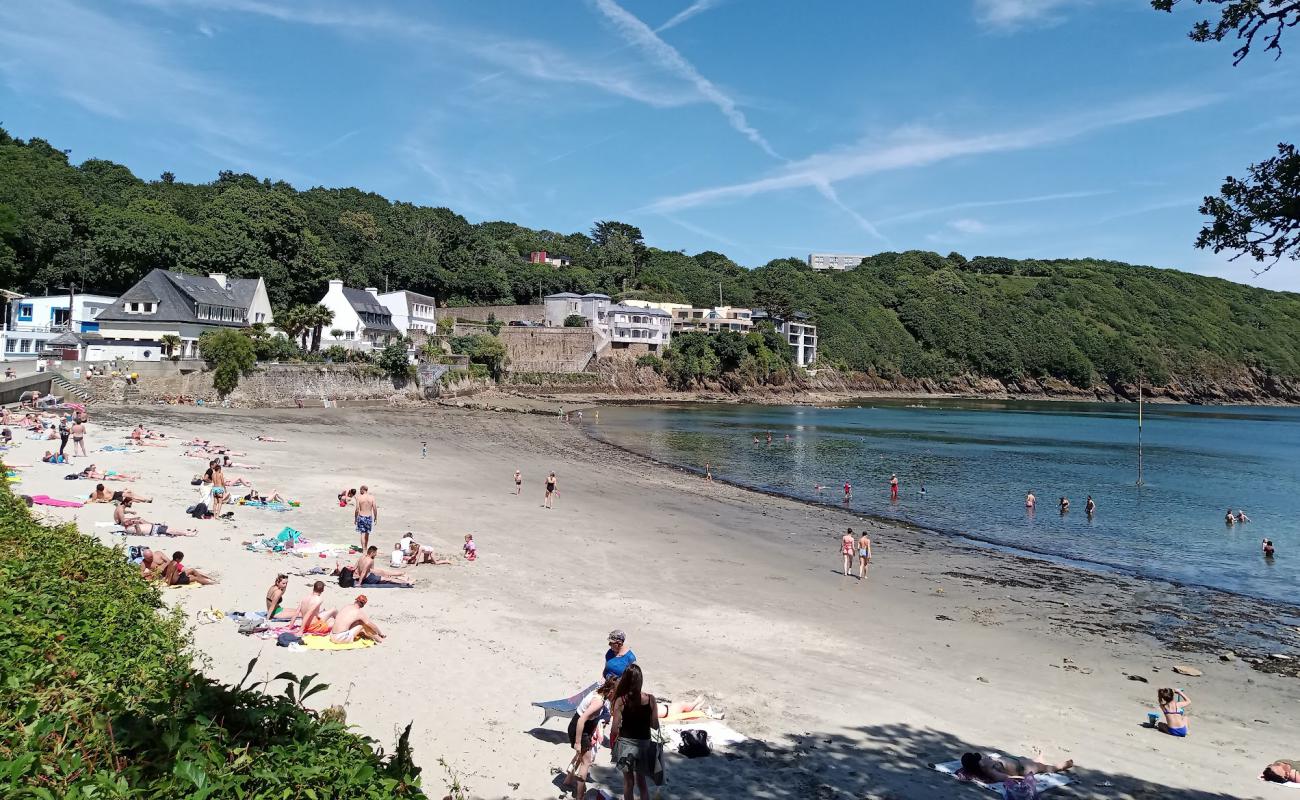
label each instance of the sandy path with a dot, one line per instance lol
(853, 687)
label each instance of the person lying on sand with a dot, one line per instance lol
(226, 462)
(667, 709)
(176, 574)
(51, 457)
(997, 770)
(102, 495)
(1282, 771)
(309, 617)
(262, 438)
(111, 475)
(366, 572)
(274, 610)
(351, 623)
(273, 497)
(125, 516)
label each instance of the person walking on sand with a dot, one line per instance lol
(550, 491)
(365, 515)
(846, 550)
(1030, 500)
(63, 435)
(519, 482)
(635, 714)
(864, 555)
(893, 488)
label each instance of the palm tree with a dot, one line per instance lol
(316, 318)
(292, 320)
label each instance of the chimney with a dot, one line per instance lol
(373, 292)
(219, 277)
(335, 283)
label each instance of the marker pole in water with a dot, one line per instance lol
(1139, 482)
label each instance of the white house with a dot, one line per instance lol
(554, 259)
(32, 322)
(166, 303)
(411, 311)
(560, 307)
(631, 325)
(799, 332)
(359, 316)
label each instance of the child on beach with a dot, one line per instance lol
(1173, 704)
(471, 550)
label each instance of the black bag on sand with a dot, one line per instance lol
(346, 579)
(198, 510)
(695, 744)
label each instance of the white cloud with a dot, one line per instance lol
(910, 148)
(636, 32)
(1012, 15)
(113, 69)
(967, 225)
(698, 7)
(1014, 201)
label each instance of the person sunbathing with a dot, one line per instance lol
(51, 457)
(131, 524)
(274, 596)
(351, 623)
(111, 475)
(102, 495)
(1282, 771)
(667, 709)
(262, 438)
(226, 462)
(176, 573)
(998, 770)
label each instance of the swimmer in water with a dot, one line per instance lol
(1268, 548)
(922, 489)
(1241, 517)
(1229, 519)
(1030, 501)
(1064, 505)
(1089, 507)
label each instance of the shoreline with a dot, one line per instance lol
(725, 592)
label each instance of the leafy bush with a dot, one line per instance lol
(276, 348)
(575, 321)
(100, 698)
(336, 353)
(493, 324)
(484, 350)
(652, 361)
(445, 326)
(231, 354)
(393, 360)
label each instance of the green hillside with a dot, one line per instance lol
(913, 314)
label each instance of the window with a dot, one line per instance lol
(259, 317)
(24, 345)
(59, 316)
(133, 308)
(24, 312)
(11, 345)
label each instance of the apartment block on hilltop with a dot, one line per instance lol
(834, 261)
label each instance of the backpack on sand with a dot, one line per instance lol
(1020, 788)
(346, 579)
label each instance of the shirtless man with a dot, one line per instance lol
(365, 572)
(351, 623)
(125, 516)
(1090, 507)
(274, 610)
(519, 482)
(365, 515)
(152, 563)
(308, 615)
(1030, 501)
(79, 438)
(102, 495)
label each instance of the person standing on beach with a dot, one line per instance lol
(893, 488)
(864, 555)
(635, 714)
(365, 515)
(618, 657)
(519, 482)
(550, 491)
(846, 550)
(708, 473)
(63, 435)
(79, 438)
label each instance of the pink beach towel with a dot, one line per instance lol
(46, 500)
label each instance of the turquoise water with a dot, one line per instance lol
(977, 459)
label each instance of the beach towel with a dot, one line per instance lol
(564, 707)
(115, 448)
(1042, 783)
(326, 643)
(46, 500)
(720, 734)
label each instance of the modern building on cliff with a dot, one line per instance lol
(799, 332)
(834, 261)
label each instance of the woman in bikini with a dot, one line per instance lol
(846, 550)
(102, 495)
(550, 490)
(864, 555)
(1173, 704)
(176, 574)
(519, 482)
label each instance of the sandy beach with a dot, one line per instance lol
(845, 688)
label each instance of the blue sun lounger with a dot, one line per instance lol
(563, 708)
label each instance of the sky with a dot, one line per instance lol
(758, 128)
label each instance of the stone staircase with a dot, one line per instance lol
(67, 387)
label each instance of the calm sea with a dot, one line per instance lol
(977, 459)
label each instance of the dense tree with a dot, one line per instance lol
(230, 353)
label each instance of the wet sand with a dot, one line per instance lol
(847, 688)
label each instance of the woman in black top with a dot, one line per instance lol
(635, 714)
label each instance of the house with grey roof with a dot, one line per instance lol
(562, 305)
(167, 303)
(361, 320)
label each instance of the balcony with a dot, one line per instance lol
(31, 327)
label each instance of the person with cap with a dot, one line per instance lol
(619, 657)
(352, 623)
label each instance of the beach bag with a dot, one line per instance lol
(73, 477)
(346, 579)
(1025, 788)
(658, 774)
(695, 744)
(198, 510)
(285, 639)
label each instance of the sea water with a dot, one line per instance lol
(978, 459)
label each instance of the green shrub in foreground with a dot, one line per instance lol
(99, 697)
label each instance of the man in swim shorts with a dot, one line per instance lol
(365, 515)
(352, 623)
(309, 617)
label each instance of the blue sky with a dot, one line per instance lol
(758, 128)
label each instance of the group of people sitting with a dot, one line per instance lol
(343, 625)
(155, 565)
